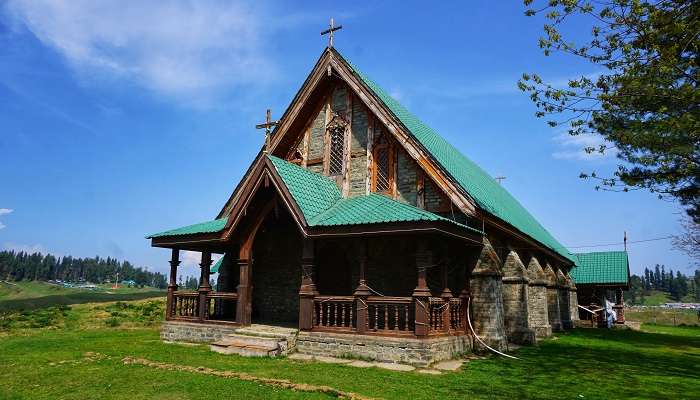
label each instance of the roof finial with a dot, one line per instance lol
(269, 123)
(329, 32)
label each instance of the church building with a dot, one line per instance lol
(359, 231)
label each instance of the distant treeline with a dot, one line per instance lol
(678, 286)
(22, 266)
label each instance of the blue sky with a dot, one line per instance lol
(118, 119)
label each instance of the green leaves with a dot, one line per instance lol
(646, 105)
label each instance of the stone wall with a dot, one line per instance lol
(564, 305)
(176, 331)
(406, 174)
(435, 200)
(276, 271)
(418, 352)
(552, 299)
(515, 301)
(537, 299)
(486, 291)
(316, 137)
(573, 299)
(358, 149)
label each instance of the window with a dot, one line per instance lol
(336, 133)
(382, 171)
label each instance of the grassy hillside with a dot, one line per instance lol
(33, 295)
(86, 351)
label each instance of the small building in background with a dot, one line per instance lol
(601, 276)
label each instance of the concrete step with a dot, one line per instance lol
(244, 349)
(250, 340)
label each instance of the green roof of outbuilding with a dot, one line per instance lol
(202, 227)
(603, 268)
(487, 193)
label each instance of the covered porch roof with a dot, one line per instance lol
(320, 210)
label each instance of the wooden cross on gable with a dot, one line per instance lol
(269, 123)
(329, 32)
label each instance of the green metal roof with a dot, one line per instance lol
(312, 192)
(606, 267)
(202, 227)
(487, 193)
(215, 268)
(322, 204)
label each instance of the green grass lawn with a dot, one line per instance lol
(50, 362)
(662, 316)
(34, 295)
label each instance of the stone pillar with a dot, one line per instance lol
(515, 301)
(307, 291)
(563, 291)
(552, 298)
(204, 286)
(537, 299)
(573, 299)
(486, 291)
(362, 291)
(172, 283)
(244, 289)
(421, 293)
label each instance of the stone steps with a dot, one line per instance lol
(257, 341)
(249, 346)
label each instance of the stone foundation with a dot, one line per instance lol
(418, 352)
(178, 331)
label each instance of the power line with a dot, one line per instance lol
(621, 243)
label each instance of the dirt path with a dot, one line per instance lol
(281, 383)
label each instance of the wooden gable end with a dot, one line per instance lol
(377, 154)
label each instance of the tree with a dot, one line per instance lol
(644, 103)
(689, 240)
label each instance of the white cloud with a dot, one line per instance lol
(572, 147)
(4, 211)
(192, 51)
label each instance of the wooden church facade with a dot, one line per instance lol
(363, 228)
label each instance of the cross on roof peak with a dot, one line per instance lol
(269, 123)
(331, 28)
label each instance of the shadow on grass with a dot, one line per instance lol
(75, 298)
(628, 352)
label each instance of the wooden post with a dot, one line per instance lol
(620, 307)
(243, 305)
(446, 295)
(204, 286)
(307, 291)
(421, 293)
(172, 284)
(362, 291)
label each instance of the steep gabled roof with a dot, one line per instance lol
(487, 193)
(320, 201)
(602, 268)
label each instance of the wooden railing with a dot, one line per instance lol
(446, 315)
(436, 316)
(390, 314)
(185, 305)
(221, 306)
(334, 312)
(457, 315)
